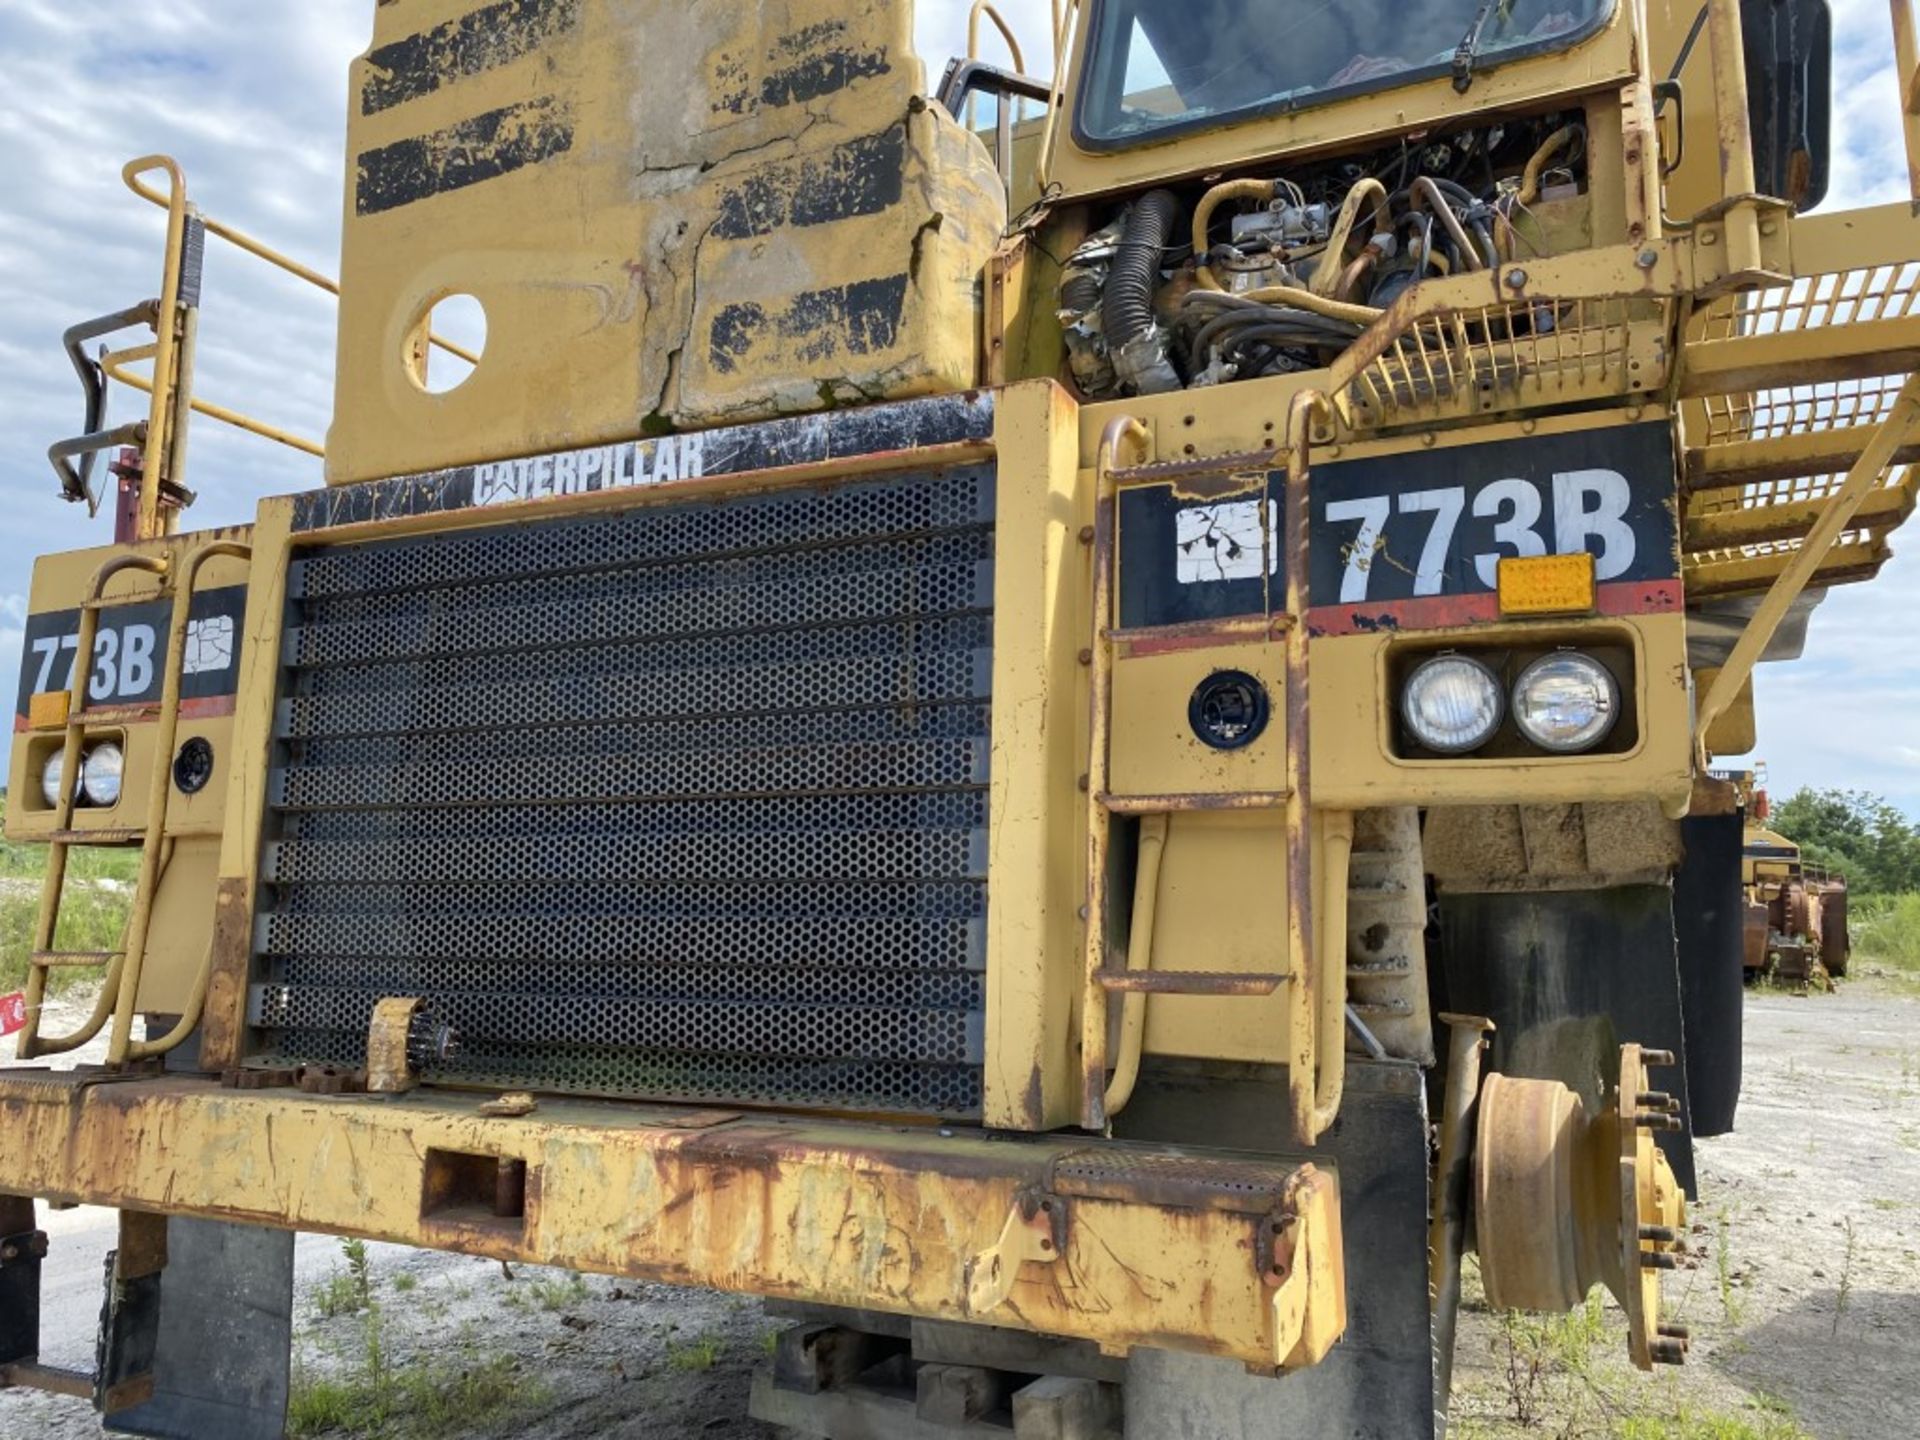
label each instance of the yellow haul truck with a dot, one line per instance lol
(894, 744)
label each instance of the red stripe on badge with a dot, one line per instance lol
(1457, 612)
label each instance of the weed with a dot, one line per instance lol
(428, 1400)
(404, 1282)
(553, 1295)
(1845, 1294)
(696, 1357)
(349, 1291)
(1732, 1305)
(770, 1343)
(1771, 1421)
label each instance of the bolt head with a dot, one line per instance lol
(1516, 279)
(1647, 259)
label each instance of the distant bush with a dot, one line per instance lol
(1886, 927)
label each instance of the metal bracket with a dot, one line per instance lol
(1299, 1252)
(1035, 1233)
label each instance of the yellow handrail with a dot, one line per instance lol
(113, 366)
(241, 240)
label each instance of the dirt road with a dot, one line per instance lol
(1802, 1288)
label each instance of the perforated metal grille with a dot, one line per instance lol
(686, 803)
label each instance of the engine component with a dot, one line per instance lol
(1134, 338)
(1083, 288)
(1283, 226)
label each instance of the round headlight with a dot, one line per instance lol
(50, 779)
(1453, 704)
(1566, 703)
(100, 774)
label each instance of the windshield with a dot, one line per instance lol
(1156, 65)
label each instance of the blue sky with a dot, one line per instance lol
(251, 97)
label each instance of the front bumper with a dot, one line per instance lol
(1124, 1245)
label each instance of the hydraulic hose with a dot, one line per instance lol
(1326, 280)
(1561, 139)
(1436, 201)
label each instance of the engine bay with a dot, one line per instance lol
(1258, 276)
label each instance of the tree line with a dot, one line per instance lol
(1863, 837)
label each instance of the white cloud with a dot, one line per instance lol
(252, 99)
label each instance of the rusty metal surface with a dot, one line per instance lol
(886, 1218)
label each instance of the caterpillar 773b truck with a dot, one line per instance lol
(1058, 721)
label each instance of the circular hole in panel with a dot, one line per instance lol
(447, 345)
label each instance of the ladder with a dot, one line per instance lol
(1314, 974)
(120, 988)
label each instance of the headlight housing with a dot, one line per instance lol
(1566, 703)
(1453, 704)
(100, 774)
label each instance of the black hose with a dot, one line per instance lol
(1080, 292)
(1127, 311)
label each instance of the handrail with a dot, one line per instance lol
(113, 367)
(1894, 432)
(1318, 997)
(241, 240)
(1906, 61)
(987, 9)
(1123, 430)
(122, 1046)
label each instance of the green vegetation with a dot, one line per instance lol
(696, 1357)
(1690, 1424)
(371, 1397)
(427, 1399)
(93, 917)
(1887, 928)
(348, 1291)
(1869, 841)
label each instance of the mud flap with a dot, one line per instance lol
(1378, 1382)
(221, 1364)
(1566, 974)
(1708, 912)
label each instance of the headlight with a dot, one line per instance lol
(50, 779)
(100, 774)
(1566, 703)
(1453, 704)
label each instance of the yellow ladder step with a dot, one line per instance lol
(1190, 982)
(73, 959)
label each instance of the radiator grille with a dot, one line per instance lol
(684, 803)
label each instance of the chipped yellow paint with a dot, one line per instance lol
(673, 216)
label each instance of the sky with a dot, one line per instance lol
(251, 98)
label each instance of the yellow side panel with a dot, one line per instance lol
(182, 926)
(1155, 751)
(673, 216)
(1223, 906)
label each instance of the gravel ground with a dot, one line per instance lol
(1802, 1286)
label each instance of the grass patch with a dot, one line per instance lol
(1886, 928)
(93, 913)
(437, 1397)
(429, 1400)
(1770, 1423)
(696, 1357)
(559, 1294)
